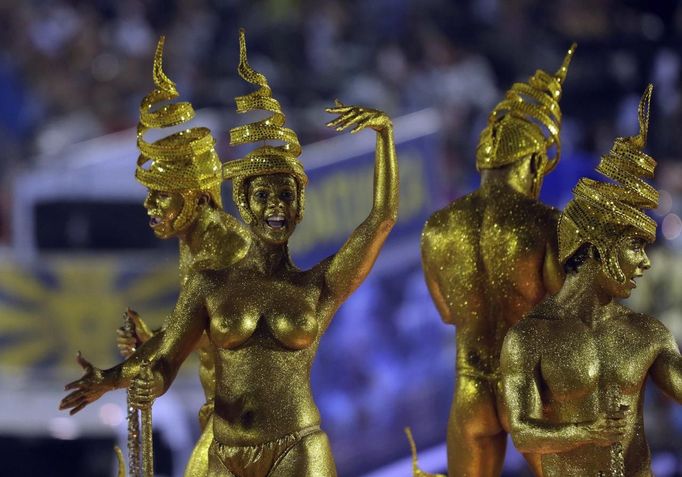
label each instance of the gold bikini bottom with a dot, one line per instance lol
(252, 461)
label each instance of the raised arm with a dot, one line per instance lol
(530, 432)
(667, 368)
(351, 264)
(165, 350)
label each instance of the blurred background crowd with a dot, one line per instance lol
(74, 71)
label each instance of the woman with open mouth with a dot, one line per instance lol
(264, 316)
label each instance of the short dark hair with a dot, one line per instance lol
(580, 256)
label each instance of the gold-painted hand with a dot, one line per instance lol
(87, 389)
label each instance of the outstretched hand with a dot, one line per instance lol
(359, 117)
(87, 389)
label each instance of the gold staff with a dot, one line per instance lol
(133, 418)
(147, 446)
(140, 445)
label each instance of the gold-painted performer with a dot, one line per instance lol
(264, 315)
(574, 370)
(184, 201)
(490, 256)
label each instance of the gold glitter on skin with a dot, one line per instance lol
(490, 256)
(264, 315)
(574, 370)
(186, 184)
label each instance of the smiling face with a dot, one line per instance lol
(163, 209)
(273, 200)
(633, 261)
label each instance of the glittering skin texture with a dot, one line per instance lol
(208, 237)
(488, 258)
(574, 370)
(266, 317)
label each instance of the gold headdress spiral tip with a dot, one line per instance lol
(182, 161)
(560, 74)
(527, 121)
(602, 213)
(265, 159)
(161, 81)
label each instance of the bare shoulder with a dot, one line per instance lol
(647, 325)
(224, 242)
(540, 320)
(204, 279)
(315, 274)
(522, 343)
(545, 215)
(459, 214)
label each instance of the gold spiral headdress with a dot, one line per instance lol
(265, 159)
(601, 213)
(518, 125)
(185, 161)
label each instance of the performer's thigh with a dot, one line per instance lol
(198, 461)
(474, 408)
(476, 442)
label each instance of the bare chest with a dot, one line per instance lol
(582, 363)
(253, 307)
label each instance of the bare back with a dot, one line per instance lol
(484, 258)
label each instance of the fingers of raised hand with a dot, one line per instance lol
(344, 117)
(350, 119)
(369, 119)
(339, 108)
